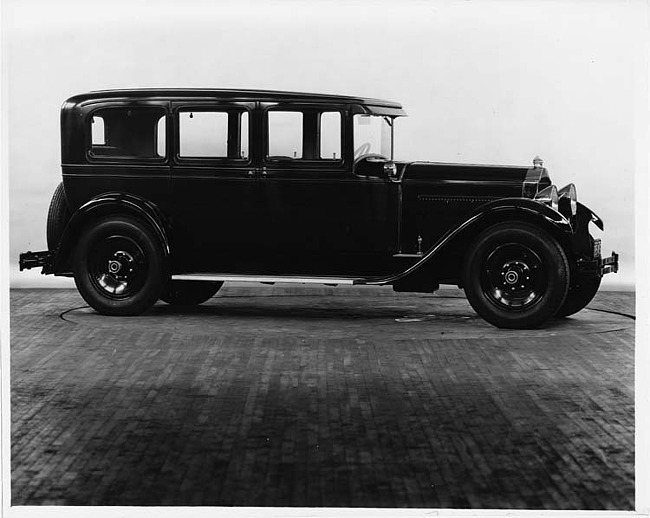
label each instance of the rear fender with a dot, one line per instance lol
(108, 204)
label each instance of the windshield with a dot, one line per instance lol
(373, 134)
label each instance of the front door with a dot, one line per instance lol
(319, 218)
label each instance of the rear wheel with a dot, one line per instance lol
(119, 266)
(189, 293)
(516, 275)
(58, 216)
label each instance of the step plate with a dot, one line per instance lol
(263, 278)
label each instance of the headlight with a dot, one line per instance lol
(548, 196)
(568, 200)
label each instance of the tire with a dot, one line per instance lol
(516, 276)
(189, 293)
(581, 293)
(119, 266)
(58, 216)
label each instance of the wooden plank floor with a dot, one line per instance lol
(292, 396)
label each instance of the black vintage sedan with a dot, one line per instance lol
(166, 194)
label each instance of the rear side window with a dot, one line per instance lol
(128, 132)
(204, 134)
(213, 134)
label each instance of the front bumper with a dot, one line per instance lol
(599, 265)
(609, 264)
(30, 260)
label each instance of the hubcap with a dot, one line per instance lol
(514, 277)
(511, 277)
(114, 266)
(117, 266)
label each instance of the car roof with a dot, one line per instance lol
(230, 94)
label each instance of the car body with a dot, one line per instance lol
(169, 193)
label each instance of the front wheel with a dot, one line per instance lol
(581, 293)
(516, 275)
(189, 293)
(119, 266)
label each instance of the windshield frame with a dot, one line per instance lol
(387, 153)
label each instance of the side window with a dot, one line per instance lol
(285, 134)
(330, 135)
(213, 134)
(203, 134)
(244, 134)
(128, 132)
(98, 131)
(161, 136)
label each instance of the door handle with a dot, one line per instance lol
(264, 172)
(250, 174)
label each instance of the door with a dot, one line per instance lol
(213, 187)
(318, 217)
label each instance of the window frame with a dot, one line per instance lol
(392, 133)
(311, 109)
(163, 108)
(267, 133)
(219, 107)
(320, 135)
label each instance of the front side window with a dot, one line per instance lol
(330, 135)
(373, 134)
(310, 135)
(128, 132)
(285, 134)
(213, 134)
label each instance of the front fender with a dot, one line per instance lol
(586, 215)
(458, 237)
(527, 207)
(109, 204)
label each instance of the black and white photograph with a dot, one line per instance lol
(326, 257)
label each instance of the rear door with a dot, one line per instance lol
(214, 214)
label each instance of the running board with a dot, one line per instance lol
(263, 278)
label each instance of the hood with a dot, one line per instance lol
(465, 179)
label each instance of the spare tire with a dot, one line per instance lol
(57, 217)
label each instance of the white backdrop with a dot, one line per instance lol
(483, 82)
